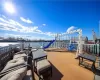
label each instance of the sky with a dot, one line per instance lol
(42, 19)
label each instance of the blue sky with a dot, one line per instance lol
(40, 19)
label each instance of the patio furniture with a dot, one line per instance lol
(43, 68)
(13, 65)
(17, 74)
(39, 54)
(41, 65)
(97, 72)
(18, 68)
(84, 57)
(97, 77)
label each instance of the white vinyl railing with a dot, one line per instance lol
(92, 48)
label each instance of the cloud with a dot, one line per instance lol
(3, 20)
(12, 25)
(49, 34)
(27, 36)
(70, 29)
(44, 24)
(3, 16)
(26, 20)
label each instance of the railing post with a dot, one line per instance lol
(96, 50)
(99, 54)
(99, 50)
(93, 49)
(86, 48)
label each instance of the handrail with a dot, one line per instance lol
(92, 49)
(6, 53)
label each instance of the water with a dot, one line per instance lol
(4, 46)
(37, 44)
(26, 44)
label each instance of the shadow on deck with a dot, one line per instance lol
(56, 74)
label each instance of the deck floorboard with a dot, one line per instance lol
(65, 67)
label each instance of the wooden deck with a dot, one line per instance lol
(65, 67)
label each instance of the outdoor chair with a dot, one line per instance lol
(97, 77)
(20, 55)
(43, 68)
(15, 74)
(41, 65)
(97, 71)
(17, 68)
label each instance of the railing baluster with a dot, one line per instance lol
(5, 53)
(96, 49)
(99, 50)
